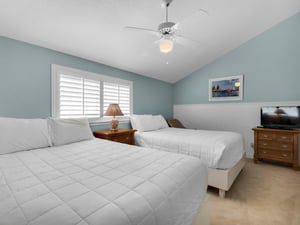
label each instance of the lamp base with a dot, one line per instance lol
(114, 123)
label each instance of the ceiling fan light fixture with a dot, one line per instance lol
(166, 45)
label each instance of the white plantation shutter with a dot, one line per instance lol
(116, 93)
(79, 97)
(78, 93)
(91, 96)
(124, 99)
(71, 96)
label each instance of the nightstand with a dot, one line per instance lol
(122, 135)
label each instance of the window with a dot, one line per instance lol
(77, 93)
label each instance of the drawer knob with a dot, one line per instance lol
(284, 155)
(265, 144)
(284, 146)
(265, 135)
(283, 137)
(264, 152)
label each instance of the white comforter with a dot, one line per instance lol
(219, 149)
(100, 182)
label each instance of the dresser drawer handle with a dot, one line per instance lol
(127, 138)
(283, 137)
(285, 146)
(265, 135)
(264, 152)
(265, 144)
(284, 154)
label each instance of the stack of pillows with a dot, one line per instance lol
(25, 134)
(144, 123)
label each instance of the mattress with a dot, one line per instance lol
(100, 182)
(219, 149)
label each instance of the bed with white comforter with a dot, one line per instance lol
(223, 151)
(219, 149)
(97, 182)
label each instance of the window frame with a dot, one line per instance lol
(56, 70)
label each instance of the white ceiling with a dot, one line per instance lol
(94, 29)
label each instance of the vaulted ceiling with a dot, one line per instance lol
(95, 30)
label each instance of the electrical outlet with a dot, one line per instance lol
(252, 145)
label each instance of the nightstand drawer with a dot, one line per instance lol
(124, 139)
(125, 136)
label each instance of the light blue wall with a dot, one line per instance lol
(25, 74)
(270, 63)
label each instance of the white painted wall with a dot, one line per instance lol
(238, 117)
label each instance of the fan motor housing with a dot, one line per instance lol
(166, 28)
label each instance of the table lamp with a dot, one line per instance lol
(114, 110)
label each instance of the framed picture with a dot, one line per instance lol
(226, 88)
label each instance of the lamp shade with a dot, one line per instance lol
(166, 45)
(113, 110)
(237, 84)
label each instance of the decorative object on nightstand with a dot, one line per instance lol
(114, 110)
(125, 136)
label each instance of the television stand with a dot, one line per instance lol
(276, 145)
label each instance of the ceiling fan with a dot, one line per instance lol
(167, 31)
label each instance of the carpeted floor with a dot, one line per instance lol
(263, 194)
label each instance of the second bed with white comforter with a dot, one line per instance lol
(219, 149)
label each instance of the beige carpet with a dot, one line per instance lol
(263, 194)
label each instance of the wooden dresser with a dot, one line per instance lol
(276, 145)
(125, 136)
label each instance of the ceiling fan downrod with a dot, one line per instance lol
(166, 28)
(166, 4)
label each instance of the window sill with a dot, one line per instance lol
(107, 121)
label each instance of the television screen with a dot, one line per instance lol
(284, 117)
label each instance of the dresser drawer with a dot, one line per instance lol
(265, 136)
(277, 137)
(285, 156)
(286, 146)
(284, 137)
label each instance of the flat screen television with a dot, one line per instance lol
(280, 117)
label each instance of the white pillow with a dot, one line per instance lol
(66, 131)
(135, 120)
(23, 134)
(142, 122)
(160, 122)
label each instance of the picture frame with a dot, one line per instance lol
(226, 88)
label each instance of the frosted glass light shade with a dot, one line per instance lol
(166, 45)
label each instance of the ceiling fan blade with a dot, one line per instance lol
(143, 29)
(200, 10)
(183, 40)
